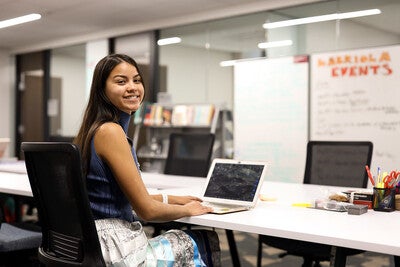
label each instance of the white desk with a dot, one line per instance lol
(372, 231)
(15, 184)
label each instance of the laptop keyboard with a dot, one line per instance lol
(217, 206)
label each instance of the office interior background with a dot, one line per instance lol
(57, 53)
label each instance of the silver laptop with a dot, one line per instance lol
(233, 185)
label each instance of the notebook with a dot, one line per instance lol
(233, 185)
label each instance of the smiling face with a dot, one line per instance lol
(124, 87)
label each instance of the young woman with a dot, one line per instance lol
(114, 183)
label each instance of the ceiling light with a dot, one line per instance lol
(227, 63)
(327, 17)
(167, 41)
(19, 20)
(275, 44)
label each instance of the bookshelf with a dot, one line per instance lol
(155, 122)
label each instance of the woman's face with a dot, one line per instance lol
(124, 87)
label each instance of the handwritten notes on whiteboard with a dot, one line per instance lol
(271, 115)
(355, 95)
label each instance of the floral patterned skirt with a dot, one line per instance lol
(125, 244)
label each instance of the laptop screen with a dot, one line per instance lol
(234, 181)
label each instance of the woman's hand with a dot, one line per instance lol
(177, 207)
(182, 200)
(196, 208)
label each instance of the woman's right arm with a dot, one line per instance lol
(112, 146)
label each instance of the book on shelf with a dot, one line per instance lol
(178, 115)
(147, 116)
(167, 116)
(137, 117)
(203, 114)
(158, 114)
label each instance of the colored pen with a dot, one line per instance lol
(379, 175)
(301, 204)
(371, 179)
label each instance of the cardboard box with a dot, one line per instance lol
(361, 197)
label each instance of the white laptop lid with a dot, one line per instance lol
(234, 182)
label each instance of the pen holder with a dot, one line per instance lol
(397, 202)
(384, 199)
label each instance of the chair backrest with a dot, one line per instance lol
(189, 154)
(338, 163)
(59, 188)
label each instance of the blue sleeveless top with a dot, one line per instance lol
(105, 196)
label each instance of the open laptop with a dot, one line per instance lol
(233, 185)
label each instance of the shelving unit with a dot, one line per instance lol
(158, 121)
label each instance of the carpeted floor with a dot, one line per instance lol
(247, 248)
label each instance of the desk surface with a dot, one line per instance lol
(13, 178)
(372, 231)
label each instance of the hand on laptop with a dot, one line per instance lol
(196, 208)
(182, 200)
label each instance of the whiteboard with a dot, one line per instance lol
(271, 115)
(355, 96)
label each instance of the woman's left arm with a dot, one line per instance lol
(181, 200)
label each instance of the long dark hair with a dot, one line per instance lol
(99, 108)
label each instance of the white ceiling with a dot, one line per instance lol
(69, 21)
(76, 21)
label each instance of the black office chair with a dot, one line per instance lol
(59, 188)
(334, 163)
(189, 154)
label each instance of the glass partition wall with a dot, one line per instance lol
(67, 91)
(198, 66)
